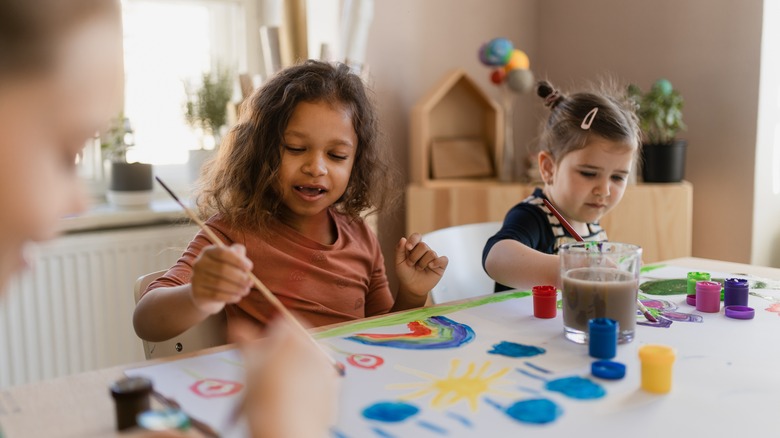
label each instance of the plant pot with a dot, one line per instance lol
(195, 162)
(664, 163)
(130, 185)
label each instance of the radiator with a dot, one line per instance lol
(72, 311)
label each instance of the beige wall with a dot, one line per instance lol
(413, 43)
(709, 49)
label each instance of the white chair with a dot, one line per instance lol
(209, 333)
(462, 244)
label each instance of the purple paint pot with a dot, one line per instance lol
(735, 292)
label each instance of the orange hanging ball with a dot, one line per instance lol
(518, 60)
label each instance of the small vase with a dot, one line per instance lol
(663, 163)
(131, 184)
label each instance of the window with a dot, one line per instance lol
(166, 43)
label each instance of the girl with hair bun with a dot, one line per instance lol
(587, 149)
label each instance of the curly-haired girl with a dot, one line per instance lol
(287, 191)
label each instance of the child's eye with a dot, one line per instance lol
(293, 149)
(618, 178)
(339, 157)
(587, 174)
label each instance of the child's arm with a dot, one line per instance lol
(516, 265)
(419, 269)
(219, 276)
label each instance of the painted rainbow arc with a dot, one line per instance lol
(436, 332)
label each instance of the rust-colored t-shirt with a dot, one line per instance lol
(324, 284)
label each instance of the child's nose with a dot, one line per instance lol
(314, 165)
(602, 188)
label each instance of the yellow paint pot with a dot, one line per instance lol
(657, 363)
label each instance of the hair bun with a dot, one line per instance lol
(550, 95)
(544, 89)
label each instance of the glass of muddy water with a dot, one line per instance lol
(600, 280)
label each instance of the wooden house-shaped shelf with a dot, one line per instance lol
(455, 133)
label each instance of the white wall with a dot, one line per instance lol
(766, 235)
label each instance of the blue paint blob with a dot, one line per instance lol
(576, 387)
(534, 411)
(511, 349)
(390, 412)
(337, 434)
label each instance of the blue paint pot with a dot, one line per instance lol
(603, 338)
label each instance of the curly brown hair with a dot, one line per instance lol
(241, 183)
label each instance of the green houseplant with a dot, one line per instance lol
(660, 119)
(206, 110)
(130, 184)
(207, 105)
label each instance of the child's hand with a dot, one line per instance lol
(220, 276)
(287, 375)
(418, 267)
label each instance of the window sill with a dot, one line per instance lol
(106, 216)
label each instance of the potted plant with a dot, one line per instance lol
(206, 110)
(130, 184)
(660, 119)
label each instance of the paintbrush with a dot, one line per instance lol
(259, 284)
(579, 238)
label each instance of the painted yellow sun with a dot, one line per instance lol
(449, 390)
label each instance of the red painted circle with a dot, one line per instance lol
(367, 361)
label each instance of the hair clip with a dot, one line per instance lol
(588, 120)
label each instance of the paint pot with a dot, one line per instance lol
(694, 277)
(545, 301)
(735, 292)
(657, 363)
(708, 296)
(691, 300)
(168, 419)
(131, 397)
(603, 337)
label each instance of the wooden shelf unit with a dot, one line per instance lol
(658, 217)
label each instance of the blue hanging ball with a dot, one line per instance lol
(497, 52)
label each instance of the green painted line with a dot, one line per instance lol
(417, 314)
(647, 268)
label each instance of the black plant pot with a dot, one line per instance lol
(664, 163)
(131, 184)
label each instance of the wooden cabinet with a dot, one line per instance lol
(657, 217)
